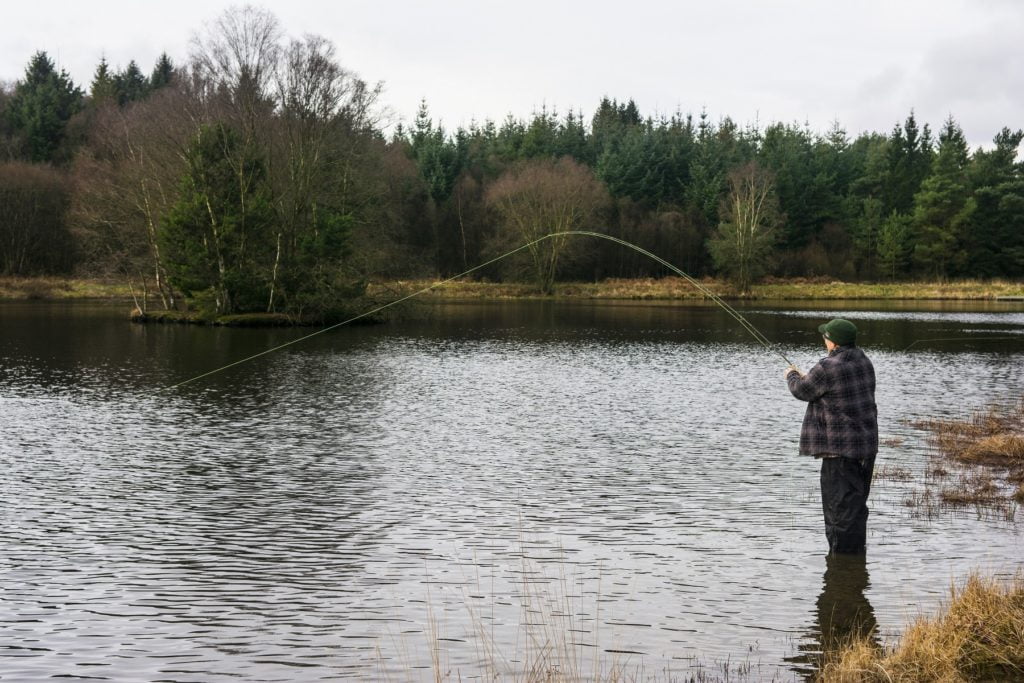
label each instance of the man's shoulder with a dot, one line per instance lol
(846, 356)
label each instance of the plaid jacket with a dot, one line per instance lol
(841, 416)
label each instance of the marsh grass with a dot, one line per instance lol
(888, 472)
(556, 638)
(987, 448)
(979, 635)
(544, 626)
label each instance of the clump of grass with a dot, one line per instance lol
(992, 438)
(973, 488)
(978, 636)
(892, 473)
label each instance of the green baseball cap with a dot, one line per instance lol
(840, 331)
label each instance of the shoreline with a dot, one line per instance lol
(640, 289)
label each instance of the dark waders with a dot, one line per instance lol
(845, 484)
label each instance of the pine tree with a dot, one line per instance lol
(43, 102)
(943, 206)
(130, 84)
(910, 156)
(102, 89)
(866, 234)
(162, 74)
(996, 244)
(892, 244)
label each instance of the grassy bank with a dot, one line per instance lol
(979, 636)
(59, 289)
(669, 288)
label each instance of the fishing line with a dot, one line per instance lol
(971, 339)
(746, 324)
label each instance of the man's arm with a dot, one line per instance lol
(809, 387)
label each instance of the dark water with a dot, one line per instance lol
(618, 480)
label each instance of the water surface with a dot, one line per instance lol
(619, 478)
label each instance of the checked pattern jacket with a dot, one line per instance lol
(841, 417)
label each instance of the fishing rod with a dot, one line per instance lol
(736, 315)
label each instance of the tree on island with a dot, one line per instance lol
(216, 235)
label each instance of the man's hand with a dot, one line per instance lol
(792, 368)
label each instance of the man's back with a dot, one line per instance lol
(841, 418)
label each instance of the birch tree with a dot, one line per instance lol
(742, 245)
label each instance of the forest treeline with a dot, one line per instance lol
(256, 175)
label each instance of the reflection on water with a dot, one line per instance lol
(843, 612)
(626, 474)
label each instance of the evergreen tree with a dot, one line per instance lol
(909, 163)
(435, 155)
(541, 137)
(130, 84)
(867, 230)
(217, 235)
(572, 139)
(650, 164)
(610, 123)
(707, 174)
(102, 89)
(943, 206)
(996, 244)
(163, 73)
(892, 244)
(43, 102)
(802, 186)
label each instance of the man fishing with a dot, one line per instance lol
(841, 428)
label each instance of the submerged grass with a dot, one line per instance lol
(545, 625)
(987, 443)
(978, 636)
(986, 450)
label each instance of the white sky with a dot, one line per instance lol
(865, 63)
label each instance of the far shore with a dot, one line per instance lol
(667, 289)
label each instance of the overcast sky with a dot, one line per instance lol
(864, 63)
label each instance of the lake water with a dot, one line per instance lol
(441, 494)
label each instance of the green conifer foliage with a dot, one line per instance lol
(942, 208)
(217, 236)
(162, 74)
(102, 89)
(43, 102)
(130, 84)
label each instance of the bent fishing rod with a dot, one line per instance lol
(736, 315)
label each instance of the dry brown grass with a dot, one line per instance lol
(892, 473)
(676, 288)
(978, 636)
(992, 438)
(667, 288)
(972, 488)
